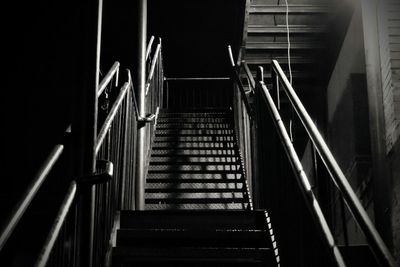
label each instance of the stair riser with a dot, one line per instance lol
(175, 219)
(194, 186)
(194, 139)
(175, 145)
(193, 159)
(193, 168)
(201, 177)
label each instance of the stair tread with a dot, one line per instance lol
(283, 45)
(224, 219)
(293, 9)
(193, 238)
(281, 29)
(163, 159)
(192, 190)
(195, 195)
(193, 163)
(196, 206)
(207, 168)
(191, 253)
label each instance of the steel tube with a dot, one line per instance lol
(378, 246)
(28, 196)
(107, 79)
(56, 227)
(141, 87)
(302, 178)
(110, 118)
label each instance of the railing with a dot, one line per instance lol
(243, 122)
(112, 185)
(245, 130)
(153, 98)
(378, 247)
(300, 173)
(249, 115)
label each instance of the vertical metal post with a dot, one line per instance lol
(84, 126)
(141, 84)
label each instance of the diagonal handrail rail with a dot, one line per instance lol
(301, 176)
(157, 54)
(239, 82)
(379, 248)
(30, 193)
(114, 71)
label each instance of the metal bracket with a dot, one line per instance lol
(143, 120)
(104, 173)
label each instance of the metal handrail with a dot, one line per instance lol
(248, 74)
(239, 82)
(379, 248)
(300, 174)
(57, 225)
(107, 123)
(153, 66)
(30, 193)
(107, 79)
(148, 49)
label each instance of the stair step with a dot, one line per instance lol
(198, 238)
(192, 159)
(176, 219)
(194, 138)
(281, 29)
(200, 176)
(194, 168)
(202, 126)
(196, 206)
(195, 145)
(283, 45)
(194, 152)
(192, 190)
(193, 185)
(263, 60)
(178, 176)
(293, 9)
(208, 131)
(195, 196)
(189, 200)
(192, 120)
(191, 256)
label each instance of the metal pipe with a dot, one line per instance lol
(56, 227)
(379, 248)
(141, 87)
(84, 127)
(28, 196)
(302, 177)
(231, 56)
(152, 68)
(110, 117)
(148, 50)
(249, 75)
(107, 79)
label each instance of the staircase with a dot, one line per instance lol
(267, 37)
(195, 163)
(198, 209)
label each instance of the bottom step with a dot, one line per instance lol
(125, 256)
(212, 206)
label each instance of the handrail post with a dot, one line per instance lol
(141, 87)
(84, 126)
